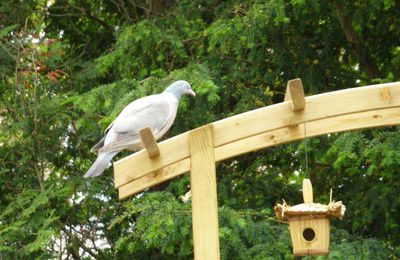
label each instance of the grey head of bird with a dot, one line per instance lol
(180, 88)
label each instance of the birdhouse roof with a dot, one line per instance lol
(333, 209)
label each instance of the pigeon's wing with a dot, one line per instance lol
(132, 108)
(153, 113)
(100, 144)
(109, 127)
(156, 113)
(96, 147)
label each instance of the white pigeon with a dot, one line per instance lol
(156, 111)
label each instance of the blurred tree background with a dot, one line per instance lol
(68, 67)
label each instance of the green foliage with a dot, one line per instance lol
(67, 68)
(143, 50)
(31, 224)
(366, 163)
(157, 224)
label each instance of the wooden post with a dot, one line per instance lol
(204, 194)
(149, 142)
(295, 94)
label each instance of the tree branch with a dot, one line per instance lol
(361, 51)
(147, 10)
(86, 12)
(80, 243)
(99, 21)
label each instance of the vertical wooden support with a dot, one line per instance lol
(307, 191)
(295, 94)
(204, 194)
(149, 142)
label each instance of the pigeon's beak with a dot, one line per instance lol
(192, 93)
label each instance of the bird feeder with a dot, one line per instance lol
(309, 222)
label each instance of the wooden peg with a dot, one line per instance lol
(295, 94)
(149, 142)
(307, 191)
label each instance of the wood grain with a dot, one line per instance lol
(234, 130)
(204, 194)
(307, 191)
(149, 142)
(295, 94)
(154, 178)
(320, 244)
(368, 119)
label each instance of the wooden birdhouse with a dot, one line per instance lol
(309, 222)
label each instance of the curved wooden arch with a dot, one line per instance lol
(344, 110)
(199, 149)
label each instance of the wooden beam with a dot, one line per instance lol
(204, 194)
(149, 142)
(307, 191)
(170, 150)
(263, 120)
(295, 94)
(368, 119)
(154, 178)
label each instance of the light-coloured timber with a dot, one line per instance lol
(149, 142)
(307, 191)
(154, 178)
(368, 119)
(295, 94)
(319, 245)
(171, 150)
(203, 184)
(230, 132)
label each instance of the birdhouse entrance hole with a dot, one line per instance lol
(309, 234)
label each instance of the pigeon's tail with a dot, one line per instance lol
(100, 164)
